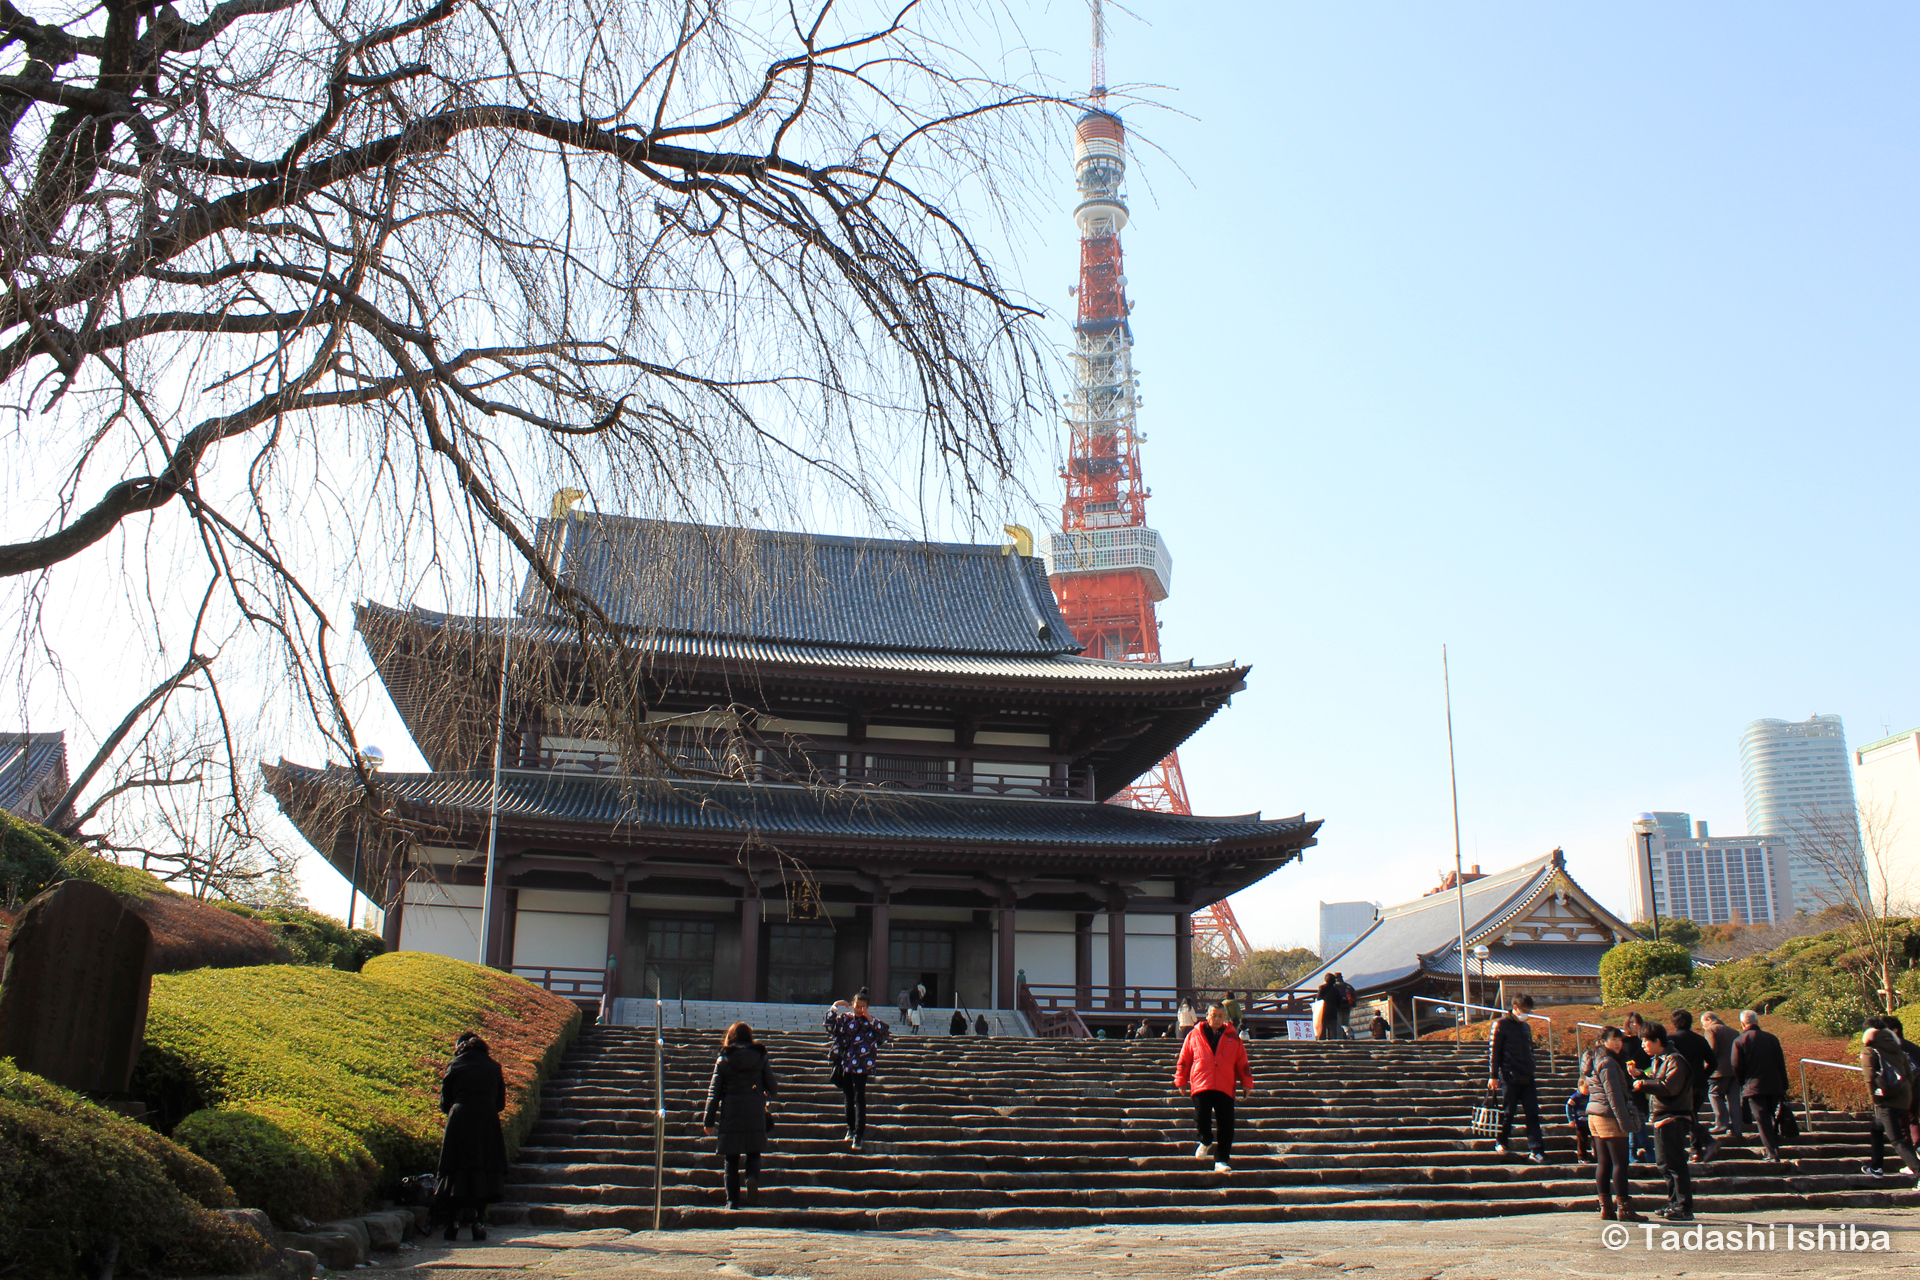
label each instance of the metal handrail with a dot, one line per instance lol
(1414, 1017)
(1597, 1028)
(659, 1105)
(1806, 1105)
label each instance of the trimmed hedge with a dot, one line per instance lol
(33, 859)
(307, 937)
(73, 1174)
(187, 933)
(276, 1067)
(1626, 971)
(293, 1164)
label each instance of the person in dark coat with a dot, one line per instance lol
(1634, 1057)
(738, 1095)
(957, 1025)
(1889, 1077)
(473, 1155)
(1510, 1069)
(1671, 1086)
(980, 1027)
(855, 1056)
(1760, 1065)
(1611, 1114)
(1722, 1088)
(1702, 1062)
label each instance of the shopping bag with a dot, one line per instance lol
(1486, 1116)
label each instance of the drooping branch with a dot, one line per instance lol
(60, 819)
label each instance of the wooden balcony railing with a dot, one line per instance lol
(572, 983)
(983, 782)
(1153, 1003)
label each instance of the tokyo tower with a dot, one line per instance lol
(1109, 568)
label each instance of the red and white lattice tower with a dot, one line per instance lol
(1107, 566)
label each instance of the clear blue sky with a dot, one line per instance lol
(1580, 339)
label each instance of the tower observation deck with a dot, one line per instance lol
(1108, 567)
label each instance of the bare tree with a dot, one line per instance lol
(303, 296)
(176, 818)
(1852, 855)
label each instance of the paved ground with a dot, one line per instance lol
(1519, 1248)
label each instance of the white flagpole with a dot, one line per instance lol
(493, 808)
(1459, 872)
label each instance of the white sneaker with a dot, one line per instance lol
(1219, 1166)
(1202, 1152)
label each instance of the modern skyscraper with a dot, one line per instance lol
(1889, 776)
(1799, 783)
(1708, 879)
(1342, 923)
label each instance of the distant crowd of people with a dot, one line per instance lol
(1643, 1087)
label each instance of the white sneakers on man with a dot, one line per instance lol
(1202, 1152)
(1220, 1166)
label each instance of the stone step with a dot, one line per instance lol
(591, 1217)
(1025, 1132)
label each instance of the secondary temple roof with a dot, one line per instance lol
(1508, 910)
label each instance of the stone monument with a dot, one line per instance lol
(73, 999)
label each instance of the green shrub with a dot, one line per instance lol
(1626, 970)
(311, 938)
(358, 1053)
(33, 859)
(283, 1160)
(72, 1174)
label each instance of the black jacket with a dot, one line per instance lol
(1760, 1065)
(1699, 1054)
(473, 1155)
(737, 1095)
(1633, 1053)
(1510, 1050)
(1670, 1085)
(957, 1024)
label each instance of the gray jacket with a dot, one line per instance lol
(1607, 1091)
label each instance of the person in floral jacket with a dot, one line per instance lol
(855, 1056)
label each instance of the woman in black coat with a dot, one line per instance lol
(743, 1084)
(473, 1155)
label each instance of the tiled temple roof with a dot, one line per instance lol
(795, 588)
(28, 763)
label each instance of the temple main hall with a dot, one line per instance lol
(777, 767)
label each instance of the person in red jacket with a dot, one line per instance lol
(1213, 1067)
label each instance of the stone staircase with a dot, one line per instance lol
(1013, 1133)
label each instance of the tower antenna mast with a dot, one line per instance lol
(1099, 54)
(1108, 567)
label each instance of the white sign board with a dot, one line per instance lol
(1300, 1029)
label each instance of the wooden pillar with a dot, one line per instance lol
(395, 906)
(1083, 960)
(616, 937)
(506, 901)
(1183, 955)
(880, 951)
(1117, 953)
(749, 988)
(1005, 997)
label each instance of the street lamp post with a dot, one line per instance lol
(1646, 824)
(371, 758)
(1480, 953)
